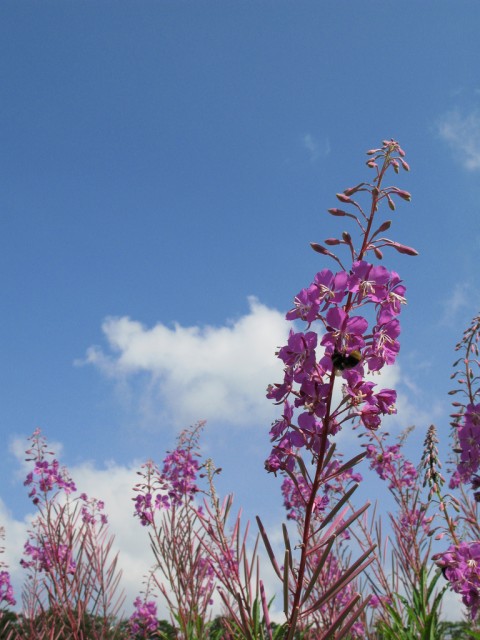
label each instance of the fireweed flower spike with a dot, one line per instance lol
(6, 589)
(352, 327)
(460, 563)
(165, 503)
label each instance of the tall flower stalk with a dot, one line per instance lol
(72, 586)
(338, 343)
(460, 563)
(182, 572)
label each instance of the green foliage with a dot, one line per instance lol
(419, 619)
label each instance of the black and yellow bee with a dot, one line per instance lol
(341, 361)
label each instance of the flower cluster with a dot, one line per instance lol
(6, 589)
(391, 465)
(92, 510)
(461, 567)
(49, 557)
(309, 379)
(175, 485)
(297, 492)
(180, 469)
(469, 443)
(151, 494)
(46, 475)
(143, 620)
(349, 344)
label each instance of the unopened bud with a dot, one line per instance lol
(405, 165)
(401, 248)
(319, 249)
(391, 203)
(337, 212)
(384, 226)
(332, 241)
(403, 194)
(378, 253)
(352, 190)
(343, 198)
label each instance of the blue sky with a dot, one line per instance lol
(164, 166)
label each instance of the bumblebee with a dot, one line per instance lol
(341, 361)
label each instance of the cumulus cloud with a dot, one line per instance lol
(212, 373)
(461, 131)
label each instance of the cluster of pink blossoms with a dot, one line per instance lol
(296, 494)
(45, 477)
(469, 441)
(143, 621)
(49, 557)
(175, 484)
(309, 379)
(461, 567)
(6, 589)
(92, 510)
(391, 465)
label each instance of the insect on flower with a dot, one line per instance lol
(341, 361)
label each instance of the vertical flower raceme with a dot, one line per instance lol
(68, 555)
(47, 475)
(165, 505)
(144, 620)
(461, 567)
(466, 416)
(345, 342)
(6, 589)
(351, 327)
(461, 562)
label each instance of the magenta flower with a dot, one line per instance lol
(344, 332)
(469, 441)
(143, 620)
(180, 470)
(49, 557)
(306, 308)
(461, 567)
(6, 589)
(369, 281)
(299, 354)
(349, 345)
(329, 289)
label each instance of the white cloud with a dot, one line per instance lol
(314, 148)
(461, 301)
(462, 134)
(212, 373)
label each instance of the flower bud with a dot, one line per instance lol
(337, 212)
(403, 194)
(343, 198)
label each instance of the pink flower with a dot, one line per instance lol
(461, 567)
